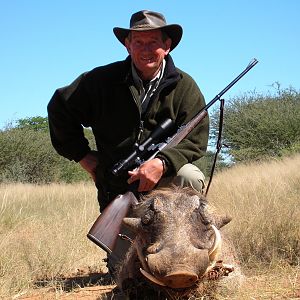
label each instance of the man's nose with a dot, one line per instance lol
(146, 47)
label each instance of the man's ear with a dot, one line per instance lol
(168, 44)
(127, 45)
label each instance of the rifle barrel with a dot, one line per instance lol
(252, 63)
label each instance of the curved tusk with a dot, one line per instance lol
(216, 248)
(140, 255)
(151, 278)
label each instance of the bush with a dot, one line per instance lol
(26, 155)
(258, 126)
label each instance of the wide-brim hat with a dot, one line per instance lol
(145, 20)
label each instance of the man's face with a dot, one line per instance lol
(147, 50)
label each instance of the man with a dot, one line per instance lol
(123, 102)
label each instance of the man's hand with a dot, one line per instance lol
(89, 163)
(149, 173)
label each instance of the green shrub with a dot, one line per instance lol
(258, 126)
(26, 155)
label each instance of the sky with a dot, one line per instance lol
(47, 44)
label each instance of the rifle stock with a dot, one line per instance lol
(106, 228)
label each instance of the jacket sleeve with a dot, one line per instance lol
(68, 113)
(194, 145)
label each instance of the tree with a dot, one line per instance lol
(258, 126)
(36, 123)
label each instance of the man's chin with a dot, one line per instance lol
(149, 65)
(148, 68)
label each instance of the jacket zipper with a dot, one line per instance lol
(141, 130)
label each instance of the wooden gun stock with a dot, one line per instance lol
(106, 228)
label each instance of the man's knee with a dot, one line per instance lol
(190, 175)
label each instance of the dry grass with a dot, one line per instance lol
(43, 230)
(43, 234)
(276, 283)
(263, 199)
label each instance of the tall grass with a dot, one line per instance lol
(263, 199)
(43, 233)
(43, 227)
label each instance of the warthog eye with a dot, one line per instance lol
(202, 211)
(200, 217)
(147, 217)
(156, 247)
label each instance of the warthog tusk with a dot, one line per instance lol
(216, 248)
(143, 261)
(151, 278)
(142, 258)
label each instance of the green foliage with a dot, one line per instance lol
(258, 126)
(36, 123)
(205, 163)
(27, 155)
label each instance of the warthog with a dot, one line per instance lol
(177, 246)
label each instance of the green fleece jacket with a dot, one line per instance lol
(106, 100)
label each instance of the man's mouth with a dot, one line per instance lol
(147, 59)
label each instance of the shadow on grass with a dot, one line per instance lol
(67, 284)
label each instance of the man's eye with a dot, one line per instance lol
(153, 43)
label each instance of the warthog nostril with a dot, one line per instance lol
(180, 279)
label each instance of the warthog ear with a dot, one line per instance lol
(133, 223)
(221, 220)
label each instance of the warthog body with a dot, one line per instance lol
(177, 245)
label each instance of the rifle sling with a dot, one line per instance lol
(219, 144)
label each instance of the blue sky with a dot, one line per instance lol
(47, 44)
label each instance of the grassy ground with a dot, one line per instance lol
(43, 242)
(281, 282)
(43, 234)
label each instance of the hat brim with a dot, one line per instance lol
(174, 31)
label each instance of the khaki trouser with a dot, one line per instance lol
(188, 175)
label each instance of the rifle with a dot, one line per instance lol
(106, 228)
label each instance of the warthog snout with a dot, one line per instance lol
(175, 270)
(180, 279)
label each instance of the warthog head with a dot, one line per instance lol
(177, 237)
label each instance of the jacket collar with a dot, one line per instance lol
(170, 76)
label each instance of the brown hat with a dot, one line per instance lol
(149, 20)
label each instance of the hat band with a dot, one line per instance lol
(142, 26)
